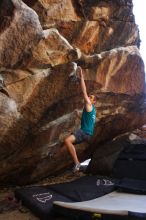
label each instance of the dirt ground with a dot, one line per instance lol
(10, 209)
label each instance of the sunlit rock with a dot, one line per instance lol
(20, 31)
(41, 43)
(120, 70)
(53, 49)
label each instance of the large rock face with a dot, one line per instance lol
(39, 41)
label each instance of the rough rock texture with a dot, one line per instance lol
(17, 20)
(39, 41)
(92, 26)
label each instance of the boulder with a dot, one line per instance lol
(40, 44)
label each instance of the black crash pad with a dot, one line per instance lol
(39, 199)
(85, 188)
(132, 186)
